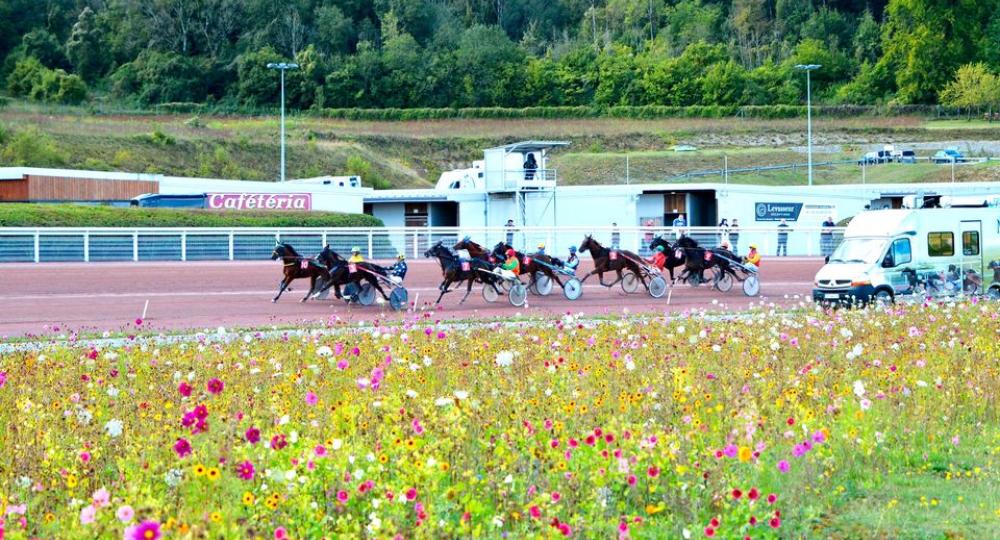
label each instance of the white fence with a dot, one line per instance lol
(217, 244)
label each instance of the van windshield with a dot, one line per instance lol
(859, 250)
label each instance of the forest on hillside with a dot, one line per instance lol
(501, 53)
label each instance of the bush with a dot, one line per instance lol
(31, 148)
(26, 75)
(30, 78)
(70, 215)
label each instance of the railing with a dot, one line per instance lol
(248, 244)
(537, 178)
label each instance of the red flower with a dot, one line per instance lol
(182, 447)
(252, 435)
(753, 494)
(737, 494)
(184, 388)
(653, 472)
(753, 520)
(714, 522)
(772, 498)
(775, 523)
(790, 421)
(709, 531)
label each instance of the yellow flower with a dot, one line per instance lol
(213, 474)
(170, 524)
(383, 459)
(653, 509)
(216, 517)
(444, 467)
(200, 470)
(745, 454)
(248, 499)
(71, 481)
(183, 528)
(49, 517)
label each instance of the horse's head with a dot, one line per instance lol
(588, 244)
(329, 257)
(500, 250)
(280, 251)
(660, 241)
(434, 250)
(687, 242)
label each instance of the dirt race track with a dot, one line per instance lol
(53, 299)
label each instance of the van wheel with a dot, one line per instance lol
(882, 297)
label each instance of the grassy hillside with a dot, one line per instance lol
(65, 215)
(413, 153)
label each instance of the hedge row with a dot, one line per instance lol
(70, 215)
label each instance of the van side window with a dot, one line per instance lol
(901, 252)
(970, 243)
(940, 244)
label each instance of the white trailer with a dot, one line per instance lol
(889, 253)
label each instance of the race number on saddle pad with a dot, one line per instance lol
(613, 255)
(304, 265)
(466, 266)
(708, 255)
(352, 268)
(678, 254)
(527, 261)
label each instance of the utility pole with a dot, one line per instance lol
(282, 67)
(809, 68)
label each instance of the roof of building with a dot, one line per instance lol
(530, 146)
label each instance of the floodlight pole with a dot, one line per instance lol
(808, 68)
(282, 67)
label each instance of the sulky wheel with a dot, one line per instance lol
(723, 281)
(367, 295)
(398, 298)
(630, 282)
(518, 294)
(751, 286)
(657, 286)
(489, 293)
(542, 284)
(572, 289)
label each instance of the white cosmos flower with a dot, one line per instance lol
(859, 388)
(114, 427)
(505, 358)
(324, 351)
(461, 394)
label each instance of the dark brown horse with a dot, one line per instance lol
(295, 266)
(455, 270)
(611, 260)
(527, 262)
(671, 251)
(341, 273)
(475, 250)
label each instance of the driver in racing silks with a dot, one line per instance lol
(659, 259)
(397, 272)
(572, 262)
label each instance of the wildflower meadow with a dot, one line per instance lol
(847, 424)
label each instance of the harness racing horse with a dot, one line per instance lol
(457, 271)
(475, 250)
(295, 266)
(699, 259)
(673, 261)
(340, 273)
(527, 262)
(606, 260)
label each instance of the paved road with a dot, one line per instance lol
(52, 299)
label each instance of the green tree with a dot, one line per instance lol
(973, 87)
(334, 30)
(44, 46)
(831, 27)
(617, 84)
(866, 39)
(256, 84)
(86, 48)
(161, 77)
(488, 65)
(26, 75)
(790, 16)
(691, 21)
(724, 83)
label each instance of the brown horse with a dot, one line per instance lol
(475, 250)
(528, 265)
(608, 260)
(296, 266)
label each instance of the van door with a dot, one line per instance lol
(972, 247)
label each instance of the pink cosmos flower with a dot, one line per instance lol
(311, 398)
(320, 450)
(182, 447)
(245, 470)
(278, 442)
(125, 513)
(556, 496)
(85, 456)
(280, 534)
(535, 512)
(343, 364)
(632, 480)
(653, 472)
(565, 529)
(101, 498)
(252, 435)
(417, 428)
(88, 514)
(214, 386)
(147, 530)
(783, 466)
(342, 496)
(411, 494)
(3, 378)
(730, 451)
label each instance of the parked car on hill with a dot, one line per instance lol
(947, 156)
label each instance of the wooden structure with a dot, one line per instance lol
(74, 186)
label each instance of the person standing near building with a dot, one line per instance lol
(723, 237)
(510, 232)
(679, 224)
(648, 233)
(616, 236)
(530, 166)
(826, 237)
(734, 235)
(782, 239)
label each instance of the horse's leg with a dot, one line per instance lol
(378, 288)
(312, 285)
(444, 288)
(281, 288)
(468, 289)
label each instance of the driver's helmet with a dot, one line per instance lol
(753, 246)
(400, 257)
(572, 249)
(541, 245)
(510, 252)
(355, 249)
(659, 249)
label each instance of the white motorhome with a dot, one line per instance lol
(888, 253)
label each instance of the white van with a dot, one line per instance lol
(932, 251)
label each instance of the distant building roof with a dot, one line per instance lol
(530, 146)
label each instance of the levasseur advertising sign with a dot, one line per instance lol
(777, 211)
(259, 201)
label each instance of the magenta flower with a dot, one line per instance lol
(184, 388)
(182, 447)
(311, 398)
(245, 470)
(411, 494)
(417, 428)
(147, 530)
(342, 496)
(730, 451)
(280, 534)
(278, 442)
(252, 435)
(3, 378)
(343, 364)
(320, 450)
(783, 466)
(215, 386)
